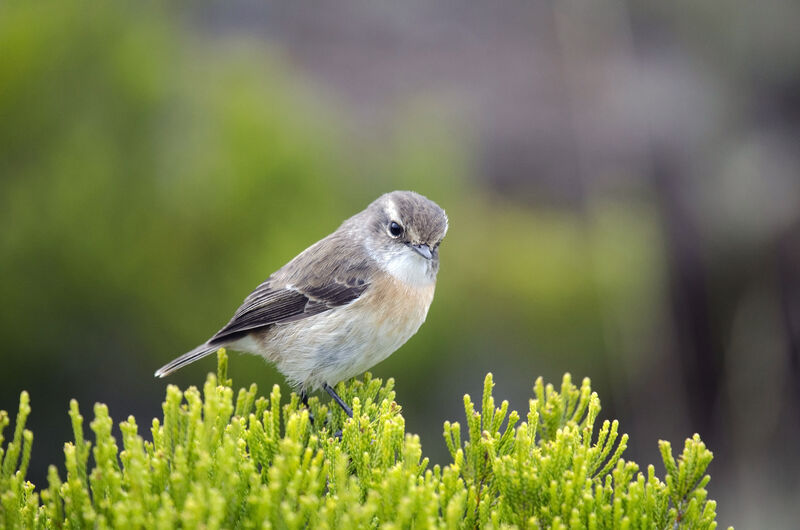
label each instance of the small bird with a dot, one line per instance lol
(346, 302)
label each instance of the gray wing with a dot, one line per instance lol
(322, 277)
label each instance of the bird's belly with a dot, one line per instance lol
(346, 341)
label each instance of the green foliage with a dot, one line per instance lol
(225, 460)
(163, 167)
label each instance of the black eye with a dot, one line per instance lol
(395, 230)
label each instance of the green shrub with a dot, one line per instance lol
(224, 461)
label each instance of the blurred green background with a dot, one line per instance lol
(622, 181)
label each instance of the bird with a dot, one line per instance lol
(345, 303)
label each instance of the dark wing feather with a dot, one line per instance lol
(314, 282)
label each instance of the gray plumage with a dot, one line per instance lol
(347, 301)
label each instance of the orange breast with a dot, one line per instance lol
(396, 306)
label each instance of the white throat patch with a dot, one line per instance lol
(410, 268)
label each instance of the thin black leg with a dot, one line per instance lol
(338, 400)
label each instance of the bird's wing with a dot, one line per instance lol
(312, 283)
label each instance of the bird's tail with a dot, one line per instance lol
(187, 358)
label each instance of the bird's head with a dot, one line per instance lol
(404, 230)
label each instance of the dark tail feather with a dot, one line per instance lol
(187, 358)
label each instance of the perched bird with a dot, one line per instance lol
(346, 302)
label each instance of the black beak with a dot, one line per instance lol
(423, 250)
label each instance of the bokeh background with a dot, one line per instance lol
(622, 180)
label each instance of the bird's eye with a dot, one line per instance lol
(395, 230)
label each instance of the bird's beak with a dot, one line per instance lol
(423, 250)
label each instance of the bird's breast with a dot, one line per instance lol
(348, 340)
(388, 314)
(396, 307)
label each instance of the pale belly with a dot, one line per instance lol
(345, 341)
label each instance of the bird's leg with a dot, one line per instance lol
(338, 400)
(304, 401)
